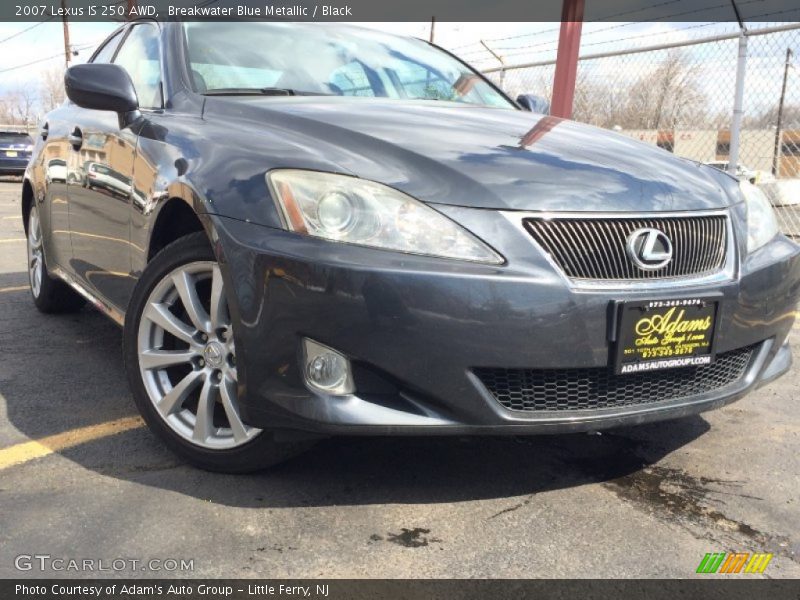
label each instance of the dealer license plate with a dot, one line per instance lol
(11, 153)
(665, 334)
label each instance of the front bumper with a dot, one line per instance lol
(13, 166)
(416, 327)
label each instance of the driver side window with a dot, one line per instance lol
(351, 80)
(140, 57)
(420, 82)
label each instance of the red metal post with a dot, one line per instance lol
(569, 43)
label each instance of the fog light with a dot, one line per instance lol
(327, 370)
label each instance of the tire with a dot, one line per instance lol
(180, 360)
(50, 295)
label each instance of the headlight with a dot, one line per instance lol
(761, 223)
(351, 210)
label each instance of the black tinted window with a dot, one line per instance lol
(16, 138)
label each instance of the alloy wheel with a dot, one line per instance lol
(187, 358)
(35, 255)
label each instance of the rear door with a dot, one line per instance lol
(51, 168)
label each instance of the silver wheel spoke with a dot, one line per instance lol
(228, 393)
(171, 403)
(187, 290)
(205, 413)
(161, 316)
(187, 404)
(160, 359)
(218, 306)
(35, 263)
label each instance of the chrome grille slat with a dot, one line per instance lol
(709, 245)
(684, 228)
(708, 248)
(594, 248)
(671, 229)
(721, 233)
(602, 242)
(579, 256)
(591, 248)
(698, 263)
(622, 236)
(559, 249)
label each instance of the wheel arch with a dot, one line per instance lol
(176, 218)
(27, 202)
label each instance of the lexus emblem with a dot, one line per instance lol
(213, 354)
(649, 249)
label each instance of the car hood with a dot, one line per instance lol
(456, 154)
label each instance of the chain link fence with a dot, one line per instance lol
(679, 95)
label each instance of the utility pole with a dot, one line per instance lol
(67, 49)
(433, 25)
(777, 151)
(499, 59)
(131, 6)
(738, 98)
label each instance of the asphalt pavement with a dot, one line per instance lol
(81, 479)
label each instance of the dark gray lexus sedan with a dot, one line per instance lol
(309, 230)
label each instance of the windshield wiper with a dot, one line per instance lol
(265, 91)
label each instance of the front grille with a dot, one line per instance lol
(596, 388)
(595, 248)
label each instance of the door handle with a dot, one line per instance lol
(76, 139)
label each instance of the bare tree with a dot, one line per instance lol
(598, 103)
(18, 106)
(51, 89)
(668, 97)
(22, 103)
(6, 115)
(769, 118)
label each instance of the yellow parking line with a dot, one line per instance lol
(13, 240)
(16, 288)
(14, 217)
(27, 451)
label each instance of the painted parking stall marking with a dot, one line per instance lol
(28, 451)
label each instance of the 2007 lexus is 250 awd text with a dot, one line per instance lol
(309, 230)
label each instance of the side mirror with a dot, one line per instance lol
(534, 103)
(100, 86)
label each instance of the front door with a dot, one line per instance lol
(103, 156)
(99, 185)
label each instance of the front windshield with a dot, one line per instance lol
(328, 60)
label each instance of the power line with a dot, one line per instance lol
(619, 41)
(514, 51)
(609, 17)
(41, 60)
(27, 29)
(638, 10)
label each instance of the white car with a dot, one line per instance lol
(100, 176)
(744, 172)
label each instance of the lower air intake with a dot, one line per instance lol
(533, 390)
